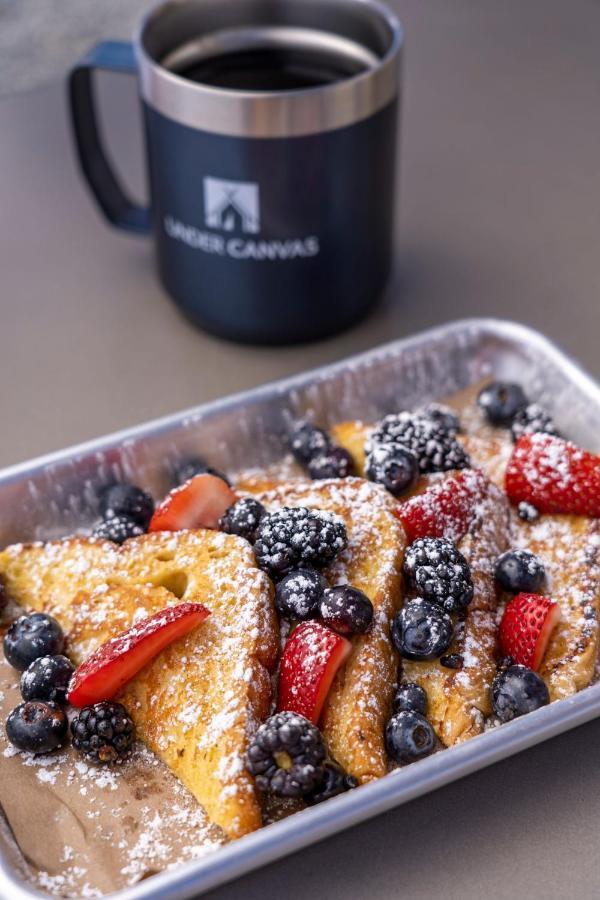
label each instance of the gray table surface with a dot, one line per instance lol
(499, 216)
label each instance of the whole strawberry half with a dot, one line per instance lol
(554, 475)
(446, 508)
(116, 662)
(525, 629)
(311, 657)
(199, 503)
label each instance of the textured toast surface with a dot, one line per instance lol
(197, 702)
(360, 699)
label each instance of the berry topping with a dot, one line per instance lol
(421, 630)
(334, 782)
(186, 469)
(532, 418)
(335, 462)
(525, 629)
(410, 697)
(520, 570)
(446, 509)
(408, 737)
(516, 691)
(554, 475)
(117, 661)
(436, 449)
(199, 503)
(439, 572)
(293, 537)
(129, 501)
(243, 518)
(441, 415)
(117, 529)
(527, 512)
(297, 595)
(346, 609)
(36, 726)
(452, 661)
(393, 466)
(286, 756)
(31, 637)
(501, 401)
(311, 657)
(308, 442)
(103, 733)
(47, 678)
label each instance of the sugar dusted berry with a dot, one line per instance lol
(103, 733)
(520, 570)
(31, 637)
(501, 401)
(243, 518)
(307, 441)
(129, 501)
(409, 737)
(530, 419)
(436, 449)
(286, 756)
(334, 462)
(47, 678)
(421, 630)
(439, 572)
(393, 466)
(297, 595)
(36, 726)
(517, 691)
(295, 537)
(333, 783)
(346, 610)
(410, 696)
(117, 529)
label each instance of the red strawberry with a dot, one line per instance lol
(199, 503)
(311, 657)
(446, 508)
(116, 662)
(526, 627)
(554, 475)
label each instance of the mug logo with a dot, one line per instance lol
(231, 205)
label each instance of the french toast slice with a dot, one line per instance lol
(360, 699)
(198, 702)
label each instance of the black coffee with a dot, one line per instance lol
(271, 69)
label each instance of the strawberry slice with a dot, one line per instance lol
(526, 626)
(446, 508)
(311, 657)
(199, 503)
(554, 475)
(116, 662)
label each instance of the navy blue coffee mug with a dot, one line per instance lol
(271, 131)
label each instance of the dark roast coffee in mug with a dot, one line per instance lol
(271, 136)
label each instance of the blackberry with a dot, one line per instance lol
(334, 782)
(334, 462)
(500, 401)
(393, 466)
(191, 466)
(47, 678)
(436, 449)
(346, 610)
(410, 696)
(295, 537)
(297, 595)
(442, 415)
(439, 572)
(286, 756)
(243, 518)
(129, 501)
(421, 630)
(532, 418)
(408, 737)
(520, 571)
(103, 733)
(36, 726)
(117, 529)
(308, 442)
(31, 637)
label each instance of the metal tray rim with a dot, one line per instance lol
(305, 828)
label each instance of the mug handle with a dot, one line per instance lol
(112, 56)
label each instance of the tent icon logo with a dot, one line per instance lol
(231, 205)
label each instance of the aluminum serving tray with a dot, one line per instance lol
(54, 495)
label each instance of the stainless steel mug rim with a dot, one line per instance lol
(263, 114)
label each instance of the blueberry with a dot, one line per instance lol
(346, 610)
(31, 637)
(243, 518)
(307, 441)
(520, 571)
(410, 697)
(129, 501)
(421, 630)
(527, 512)
(297, 595)
(335, 782)
(47, 678)
(190, 467)
(335, 462)
(501, 401)
(408, 737)
(36, 726)
(393, 466)
(117, 529)
(516, 691)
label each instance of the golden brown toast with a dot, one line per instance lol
(197, 704)
(360, 699)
